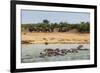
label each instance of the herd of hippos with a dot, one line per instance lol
(55, 52)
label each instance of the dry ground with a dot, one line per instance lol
(55, 37)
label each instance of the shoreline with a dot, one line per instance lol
(27, 42)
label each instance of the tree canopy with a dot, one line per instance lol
(46, 26)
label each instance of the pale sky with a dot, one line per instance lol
(32, 16)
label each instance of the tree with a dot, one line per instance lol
(46, 21)
(84, 27)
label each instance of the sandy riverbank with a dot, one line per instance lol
(54, 38)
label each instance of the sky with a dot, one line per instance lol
(33, 16)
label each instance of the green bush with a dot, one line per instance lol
(45, 26)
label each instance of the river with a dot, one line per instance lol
(30, 53)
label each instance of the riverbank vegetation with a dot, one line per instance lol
(55, 33)
(46, 26)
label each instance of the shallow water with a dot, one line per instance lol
(31, 52)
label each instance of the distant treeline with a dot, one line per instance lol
(46, 26)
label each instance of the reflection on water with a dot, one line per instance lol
(31, 53)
